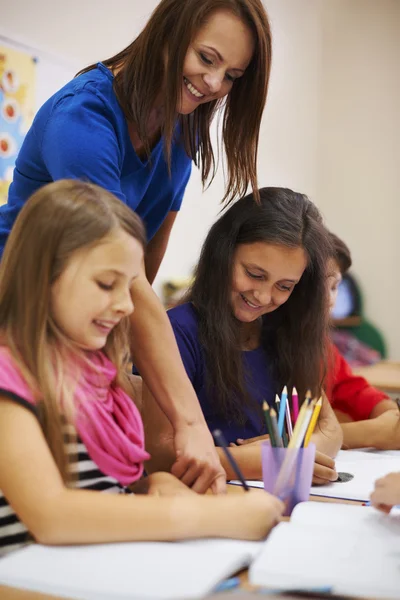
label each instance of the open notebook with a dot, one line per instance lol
(353, 549)
(165, 570)
(365, 467)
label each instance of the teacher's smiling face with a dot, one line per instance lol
(217, 56)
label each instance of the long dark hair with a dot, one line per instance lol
(169, 32)
(295, 334)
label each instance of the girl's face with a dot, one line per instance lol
(219, 54)
(264, 275)
(92, 294)
(333, 280)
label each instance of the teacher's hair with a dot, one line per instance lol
(142, 66)
(295, 334)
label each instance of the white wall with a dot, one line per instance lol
(330, 130)
(359, 153)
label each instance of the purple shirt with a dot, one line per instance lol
(259, 383)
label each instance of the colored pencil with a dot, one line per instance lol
(289, 425)
(295, 404)
(274, 422)
(294, 442)
(267, 415)
(221, 441)
(313, 422)
(282, 411)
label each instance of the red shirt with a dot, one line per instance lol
(350, 393)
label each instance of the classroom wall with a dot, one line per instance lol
(358, 185)
(330, 129)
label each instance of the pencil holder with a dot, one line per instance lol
(287, 473)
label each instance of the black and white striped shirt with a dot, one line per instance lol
(13, 533)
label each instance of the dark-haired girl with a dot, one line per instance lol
(255, 320)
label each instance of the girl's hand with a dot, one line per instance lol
(387, 492)
(252, 515)
(324, 469)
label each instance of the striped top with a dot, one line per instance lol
(13, 533)
(108, 453)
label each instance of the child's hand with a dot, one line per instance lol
(254, 440)
(161, 484)
(253, 515)
(328, 435)
(324, 469)
(387, 492)
(387, 430)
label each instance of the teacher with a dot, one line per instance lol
(134, 124)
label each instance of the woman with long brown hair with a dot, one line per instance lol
(134, 124)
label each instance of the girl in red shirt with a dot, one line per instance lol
(368, 417)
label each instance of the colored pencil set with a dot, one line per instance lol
(285, 432)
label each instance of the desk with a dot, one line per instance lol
(384, 375)
(7, 593)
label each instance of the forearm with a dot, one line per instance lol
(156, 355)
(359, 434)
(248, 457)
(382, 407)
(85, 517)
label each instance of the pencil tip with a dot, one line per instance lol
(294, 392)
(272, 412)
(284, 390)
(308, 394)
(277, 399)
(265, 405)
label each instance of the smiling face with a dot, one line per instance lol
(219, 54)
(92, 294)
(263, 278)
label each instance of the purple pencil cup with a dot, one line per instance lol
(292, 484)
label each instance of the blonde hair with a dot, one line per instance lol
(58, 219)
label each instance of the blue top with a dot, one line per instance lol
(82, 133)
(184, 321)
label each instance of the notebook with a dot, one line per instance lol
(365, 467)
(165, 570)
(355, 550)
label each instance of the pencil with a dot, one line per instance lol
(274, 422)
(313, 422)
(267, 415)
(282, 411)
(398, 403)
(288, 419)
(297, 428)
(295, 403)
(221, 441)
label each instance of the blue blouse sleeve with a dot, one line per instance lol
(188, 348)
(81, 141)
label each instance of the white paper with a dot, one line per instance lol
(127, 571)
(353, 549)
(366, 466)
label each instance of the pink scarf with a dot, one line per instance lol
(109, 424)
